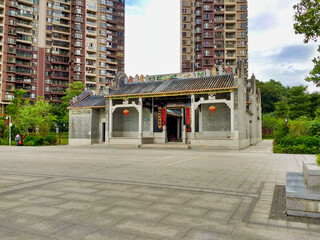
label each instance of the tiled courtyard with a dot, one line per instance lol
(98, 193)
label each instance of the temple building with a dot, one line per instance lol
(217, 109)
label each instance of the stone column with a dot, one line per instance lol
(232, 111)
(110, 119)
(193, 117)
(152, 119)
(140, 118)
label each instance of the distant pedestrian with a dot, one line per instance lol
(18, 140)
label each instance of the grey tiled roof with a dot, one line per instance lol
(224, 82)
(90, 101)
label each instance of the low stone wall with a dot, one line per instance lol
(303, 191)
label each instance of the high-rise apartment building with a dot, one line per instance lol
(46, 44)
(213, 33)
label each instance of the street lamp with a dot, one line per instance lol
(286, 121)
(9, 117)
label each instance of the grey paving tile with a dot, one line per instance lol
(78, 189)
(110, 235)
(119, 201)
(122, 194)
(142, 214)
(81, 197)
(74, 205)
(197, 223)
(184, 210)
(43, 192)
(4, 205)
(153, 230)
(206, 235)
(17, 235)
(47, 227)
(74, 232)
(39, 211)
(163, 199)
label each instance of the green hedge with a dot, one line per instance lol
(39, 141)
(300, 145)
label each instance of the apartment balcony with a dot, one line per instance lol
(26, 2)
(218, 9)
(23, 55)
(24, 31)
(230, 9)
(24, 24)
(61, 22)
(230, 36)
(90, 32)
(24, 38)
(91, 56)
(25, 15)
(230, 18)
(23, 64)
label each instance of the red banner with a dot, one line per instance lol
(188, 115)
(163, 116)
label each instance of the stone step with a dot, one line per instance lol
(311, 173)
(300, 200)
(166, 146)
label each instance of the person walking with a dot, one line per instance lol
(18, 138)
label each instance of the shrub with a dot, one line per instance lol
(29, 141)
(50, 140)
(314, 128)
(318, 159)
(299, 127)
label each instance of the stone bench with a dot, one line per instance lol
(303, 191)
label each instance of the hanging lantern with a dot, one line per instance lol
(212, 109)
(126, 112)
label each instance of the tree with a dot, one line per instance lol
(61, 110)
(298, 102)
(307, 22)
(281, 109)
(36, 115)
(13, 108)
(271, 92)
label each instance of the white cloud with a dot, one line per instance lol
(153, 39)
(265, 43)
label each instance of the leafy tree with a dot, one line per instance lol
(314, 104)
(13, 108)
(271, 92)
(37, 114)
(269, 121)
(307, 22)
(281, 109)
(61, 110)
(298, 102)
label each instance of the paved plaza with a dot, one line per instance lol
(93, 192)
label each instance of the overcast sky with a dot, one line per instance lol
(275, 52)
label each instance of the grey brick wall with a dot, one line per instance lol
(219, 120)
(80, 126)
(123, 123)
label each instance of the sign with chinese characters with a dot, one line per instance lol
(160, 117)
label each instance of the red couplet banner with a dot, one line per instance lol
(188, 115)
(164, 116)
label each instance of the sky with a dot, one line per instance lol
(275, 51)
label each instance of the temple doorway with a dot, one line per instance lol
(174, 125)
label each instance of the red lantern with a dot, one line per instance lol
(212, 109)
(126, 112)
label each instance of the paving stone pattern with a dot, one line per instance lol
(278, 208)
(99, 193)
